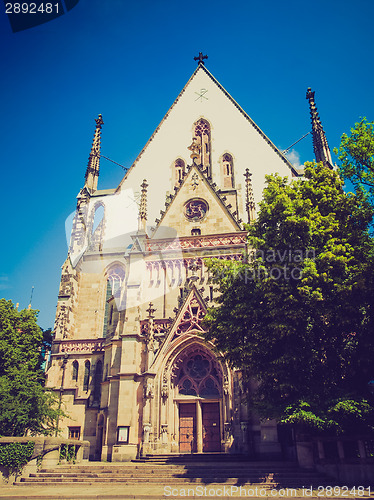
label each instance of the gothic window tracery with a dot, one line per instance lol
(86, 380)
(115, 277)
(75, 371)
(228, 171)
(203, 135)
(192, 317)
(195, 209)
(96, 227)
(179, 171)
(198, 376)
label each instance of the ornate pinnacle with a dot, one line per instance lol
(250, 205)
(150, 311)
(93, 167)
(143, 206)
(320, 146)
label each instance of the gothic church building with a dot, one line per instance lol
(128, 360)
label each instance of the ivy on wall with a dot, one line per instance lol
(14, 456)
(68, 452)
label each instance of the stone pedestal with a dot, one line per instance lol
(124, 452)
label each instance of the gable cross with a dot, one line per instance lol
(200, 58)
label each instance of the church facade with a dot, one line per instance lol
(129, 361)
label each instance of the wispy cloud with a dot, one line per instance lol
(293, 157)
(4, 282)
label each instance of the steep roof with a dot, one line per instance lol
(202, 68)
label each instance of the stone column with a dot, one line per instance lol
(199, 427)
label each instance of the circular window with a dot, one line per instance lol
(195, 209)
(198, 367)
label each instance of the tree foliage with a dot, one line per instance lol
(25, 405)
(14, 456)
(356, 154)
(297, 316)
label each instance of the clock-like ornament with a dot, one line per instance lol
(195, 209)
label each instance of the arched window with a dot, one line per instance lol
(86, 380)
(97, 382)
(115, 277)
(75, 371)
(179, 170)
(227, 171)
(199, 376)
(202, 133)
(96, 227)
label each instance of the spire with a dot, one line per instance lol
(320, 146)
(249, 198)
(143, 207)
(92, 171)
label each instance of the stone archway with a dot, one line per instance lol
(197, 383)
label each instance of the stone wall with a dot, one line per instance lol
(46, 454)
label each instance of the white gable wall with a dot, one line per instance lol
(231, 132)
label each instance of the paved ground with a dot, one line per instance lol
(153, 492)
(81, 491)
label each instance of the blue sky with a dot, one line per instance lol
(128, 61)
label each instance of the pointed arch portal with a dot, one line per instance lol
(197, 382)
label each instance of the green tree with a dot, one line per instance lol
(356, 154)
(297, 316)
(25, 405)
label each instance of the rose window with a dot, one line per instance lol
(195, 209)
(199, 376)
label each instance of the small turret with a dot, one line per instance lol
(320, 146)
(93, 167)
(143, 207)
(250, 205)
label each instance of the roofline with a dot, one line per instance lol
(256, 127)
(240, 109)
(158, 127)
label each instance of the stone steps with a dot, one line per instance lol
(261, 474)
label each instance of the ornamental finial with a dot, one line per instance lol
(200, 58)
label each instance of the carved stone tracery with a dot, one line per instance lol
(192, 318)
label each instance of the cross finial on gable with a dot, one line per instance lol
(200, 58)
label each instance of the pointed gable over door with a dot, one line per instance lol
(187, 321)
(197, 206)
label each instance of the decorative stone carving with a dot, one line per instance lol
(226, 386)
(195, 209)
(164, 433)
(164, 387)
(146, 432)
(149, 390)
(195, 181)
(81, 346)
(227, 431)
(198, 242)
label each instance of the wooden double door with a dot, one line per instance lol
(199, 434)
